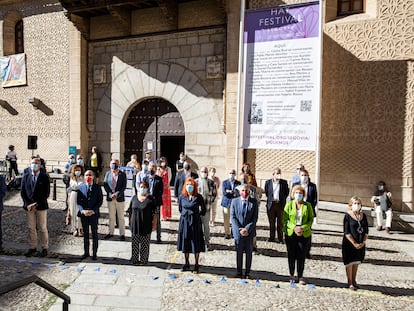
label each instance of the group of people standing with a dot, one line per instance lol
(290, 213)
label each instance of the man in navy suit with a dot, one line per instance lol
(181, 177)
(35, 190)
(244, 212)
(229, 191)
(277, 190)
(90, 199)
(115, 182)
(156, 189)
(311, 196)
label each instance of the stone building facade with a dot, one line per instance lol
(167, 76)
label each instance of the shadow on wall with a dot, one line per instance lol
(362, 125)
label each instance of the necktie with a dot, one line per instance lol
(33, 181)
(244, 208)
(113, 183)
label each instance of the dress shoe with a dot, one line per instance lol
(186, 267)
(84, 256)
(43, 253)
(196, 269)
(379, 228)
(30, 252)
(271, 240)
(388, 230)
(122, 238)
(302, 281)
(227, 237)
(94, 257)
(108, 236)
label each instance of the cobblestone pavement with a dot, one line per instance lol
(386, 277)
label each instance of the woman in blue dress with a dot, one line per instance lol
(190, 232)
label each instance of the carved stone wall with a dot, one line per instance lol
(46, 45)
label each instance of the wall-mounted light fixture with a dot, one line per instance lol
(38, 104)
(9, 108)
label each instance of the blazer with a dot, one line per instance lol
(311, 194)
(240, 220)
(212, 191)
(289, 218)
(283, 192)
(39, 193)
(157, 188)
(119, 188)
(227, 197)
(180, 180)
(89, 200)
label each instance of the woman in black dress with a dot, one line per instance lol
(353, 243)
(190, 233)
(141, 212)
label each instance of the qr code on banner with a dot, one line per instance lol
(305, 105)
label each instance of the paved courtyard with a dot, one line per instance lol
(111, 283)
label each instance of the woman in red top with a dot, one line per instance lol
(164, 171)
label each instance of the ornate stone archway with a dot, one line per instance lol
(179, 86)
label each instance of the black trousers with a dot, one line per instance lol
(297, 246)
(91, 221)
(275, 217)
(158, 213)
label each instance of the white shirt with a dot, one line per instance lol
(276, 189)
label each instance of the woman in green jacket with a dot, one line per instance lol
(297, 220)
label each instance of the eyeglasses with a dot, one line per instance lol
(203, 171)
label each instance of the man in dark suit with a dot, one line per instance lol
(244, 212)
(115, 182)
(277, 190)
(90, 199)
(156, 189)
(35, 190)
(181, 177)
(311, 196)
(229, 192)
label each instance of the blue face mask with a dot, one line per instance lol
(145, 167)
(142, 191)
(231, 176)
(80, 162)
(34, 166)
(189, 188)
(380, 187)
(298, 196)
(242, 181)
(114, 166)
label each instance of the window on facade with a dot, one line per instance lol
(348, 7)
(18, 37)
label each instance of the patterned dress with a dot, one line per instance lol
(166, 197)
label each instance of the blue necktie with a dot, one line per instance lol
(244, 208)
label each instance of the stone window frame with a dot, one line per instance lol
(13, 22)
(351, 7)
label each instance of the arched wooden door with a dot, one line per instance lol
(154, 124)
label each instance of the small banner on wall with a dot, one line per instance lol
(282, 67)
(13, 70)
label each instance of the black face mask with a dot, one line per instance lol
(152, 172)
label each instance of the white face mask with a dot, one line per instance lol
(356, 207)
(77, 173)
(203, 175)
(304, 179)
(278, 176)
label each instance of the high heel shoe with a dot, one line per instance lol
(186, 267)
(196, 269)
